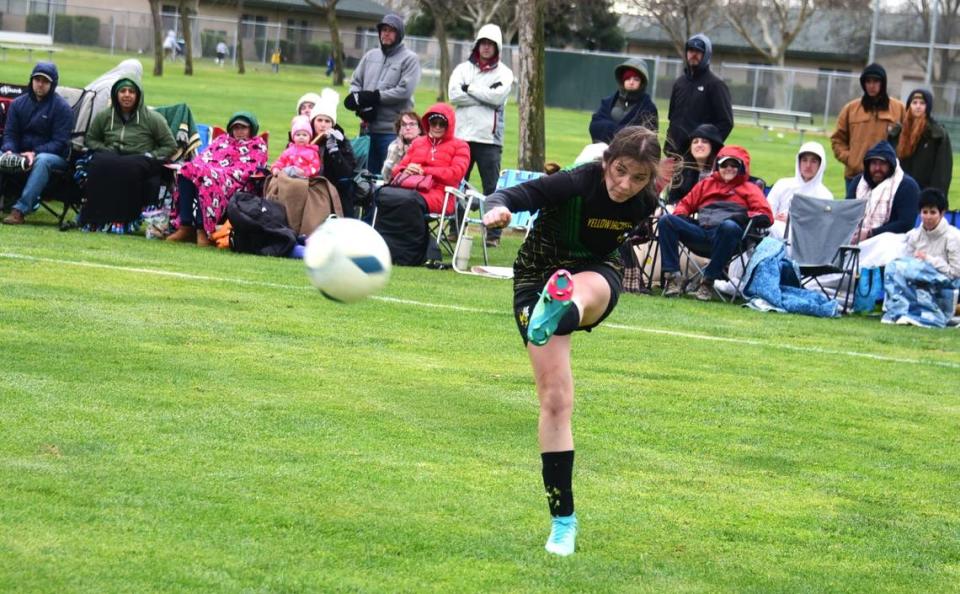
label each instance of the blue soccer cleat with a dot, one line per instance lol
(555, 300)
(563, 535)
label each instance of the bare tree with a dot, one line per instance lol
(948, 28)
(155, 6)
(241, 68)
(682, 19)
(478, 13)
(444, 12)
(185, 7)
(532, 89)
(329, 10)
(778, 21)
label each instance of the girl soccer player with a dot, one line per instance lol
(567, 277)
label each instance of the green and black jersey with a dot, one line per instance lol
(578, 225)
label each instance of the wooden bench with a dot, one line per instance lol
(13, 40)
(802, 121)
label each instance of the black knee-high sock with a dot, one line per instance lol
(558, 481)
(569, 322)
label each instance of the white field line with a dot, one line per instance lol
(655, 331)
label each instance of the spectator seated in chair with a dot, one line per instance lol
(438, 156)
(892, 197)
(725, 202)
(300, 158)
(408, 129)
(208, 181)
(337, 161)
(130, 145)
(36, 138)
(811, 163)
(697, 163)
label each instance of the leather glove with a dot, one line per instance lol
(761, 221)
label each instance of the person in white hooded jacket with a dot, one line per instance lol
(810, 165)
(478, 90)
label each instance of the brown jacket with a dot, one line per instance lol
(859, 129)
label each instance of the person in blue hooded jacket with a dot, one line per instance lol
(630, 105)
(38, 128)
(698, 97)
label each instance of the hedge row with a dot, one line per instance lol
(78, 29)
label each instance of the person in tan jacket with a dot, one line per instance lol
(866, 121)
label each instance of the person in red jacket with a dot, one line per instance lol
(437, 154)
(725, 202)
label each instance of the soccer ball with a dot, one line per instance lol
(347, 260)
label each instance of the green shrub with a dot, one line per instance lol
(85, 29)
(37, 23)
(315, 54)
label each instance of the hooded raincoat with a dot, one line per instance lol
(445, 159)
(394, 73)
(714, 189)
(782, 192)
(39, 125)
(143, 131)
(635, 107)
(479, 90)
(698, 97)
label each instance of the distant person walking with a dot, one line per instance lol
(698, 97)
(382, 87)
(865, 121)
(221, 52)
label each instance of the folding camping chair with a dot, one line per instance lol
(693, 271)
(470, 198)
(819, 232)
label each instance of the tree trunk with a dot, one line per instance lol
(444, 78)
(335, 41)
(185, 11)
(157, 38)
(241, 69)
(531, 102)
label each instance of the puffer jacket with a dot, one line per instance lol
(446, 159)
(144, 132)
(740, 189)
(394, 72)
(40, 126)
(480, 107)
(306, 158)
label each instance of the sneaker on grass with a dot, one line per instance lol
(563, 535)
(555, 300)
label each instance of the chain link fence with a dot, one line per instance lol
(901, 41)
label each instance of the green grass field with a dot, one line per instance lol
(177, 419)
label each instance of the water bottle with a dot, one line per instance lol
(463, 256)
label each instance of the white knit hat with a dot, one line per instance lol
(327, 106)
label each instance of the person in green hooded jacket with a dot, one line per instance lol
(207, 182)
(130, 143)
